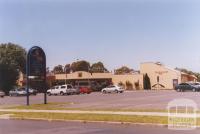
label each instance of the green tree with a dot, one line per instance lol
(58, 69)
(123, 70)
(12, 61)
(80, 66)
(129, 85)
(67, 68)
(147, 83)
(98, 68)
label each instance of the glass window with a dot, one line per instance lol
(62, 87)
(69, 87)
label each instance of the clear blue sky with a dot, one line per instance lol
(116, 32)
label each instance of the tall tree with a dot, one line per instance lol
(12, 61)
(98, 68)
(80, 66)
(58, 69)
(67, 68)
(123, 70)
(146, 82)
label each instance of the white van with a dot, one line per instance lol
(62, 90)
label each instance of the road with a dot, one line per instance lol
(127, 100)
(45, 127)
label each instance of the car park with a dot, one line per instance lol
(112, 89)
(187, 87)
(2, 94)
(62, 90)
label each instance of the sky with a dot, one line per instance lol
(116, 32)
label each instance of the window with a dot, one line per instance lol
(63, 87)
(69, 87)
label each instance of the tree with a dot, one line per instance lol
(121, 84)
(147, 83)
(67, 68)
(80, 66)
(98, 68)
(58, 69)
(123, 70)
(12, 61)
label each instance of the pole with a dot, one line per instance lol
(45, 98)
(27, 93)
(27, 82)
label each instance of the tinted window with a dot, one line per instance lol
(63, 87)
(69, 87)
(183, 84)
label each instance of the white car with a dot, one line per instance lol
(61, 90)
(2, 94)
(17, 92)
(112, 89)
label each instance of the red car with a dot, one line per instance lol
(85, 90)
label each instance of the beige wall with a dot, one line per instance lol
(132, 78)
(166, 75)
(83, 75)
(116, 79)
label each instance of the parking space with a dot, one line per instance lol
(126, 100)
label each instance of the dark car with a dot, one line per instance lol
(186, 87)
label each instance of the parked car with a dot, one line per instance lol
(17, 92)
(62, 90)
(85, 90)
(197, 84)
(84, 87)
(112, 89)
(2, 94)
(187, 87)
(32, 91)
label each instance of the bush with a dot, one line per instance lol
(121, 84)
(137, 85)
(129, 85)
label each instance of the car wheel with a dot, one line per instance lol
(61, 93)
(104, 91)
(194, 90)
(116, 91)
(49, 94)
(179, 90)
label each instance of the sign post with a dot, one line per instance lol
(36, 71)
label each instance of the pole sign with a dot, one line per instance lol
(36, 71)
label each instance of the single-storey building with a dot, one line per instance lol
(161, 77)
(132, 79)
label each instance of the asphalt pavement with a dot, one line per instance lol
(45, 127)
(127, 100)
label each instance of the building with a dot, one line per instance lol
(163, 77)
(133, 79)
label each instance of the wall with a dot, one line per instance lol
(132, 78)
(166, 75)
